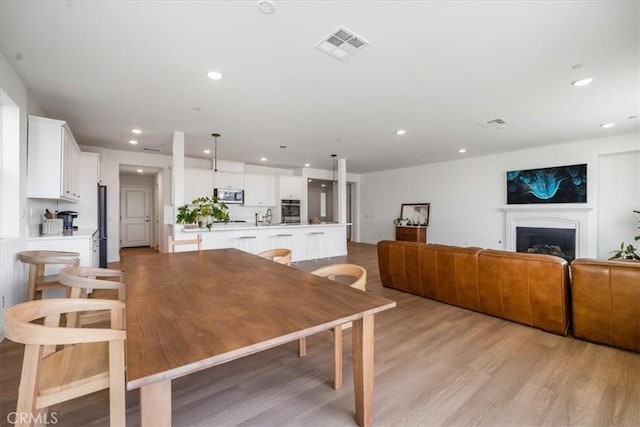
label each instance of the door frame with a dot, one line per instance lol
(152, 213)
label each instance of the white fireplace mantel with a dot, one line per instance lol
(572, 216)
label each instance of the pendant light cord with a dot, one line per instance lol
(215, 151)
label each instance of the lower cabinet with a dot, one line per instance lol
(411, 233)
(85, 242)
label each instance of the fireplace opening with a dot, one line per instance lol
(553, 241)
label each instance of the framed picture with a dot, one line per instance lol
(417, 213)
(562, 184)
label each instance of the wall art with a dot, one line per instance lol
(562, 184)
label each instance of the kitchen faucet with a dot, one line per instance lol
(258, 214)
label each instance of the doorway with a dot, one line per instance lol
(135, 216)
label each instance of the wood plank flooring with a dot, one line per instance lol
(435, 365)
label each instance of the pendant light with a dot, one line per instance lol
(215, 151)
(334, 165)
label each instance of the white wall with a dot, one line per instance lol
(619, 175)
(466, 195)
(12, 271)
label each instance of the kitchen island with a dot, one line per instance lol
(306, 241)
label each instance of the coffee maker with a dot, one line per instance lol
(67, 219)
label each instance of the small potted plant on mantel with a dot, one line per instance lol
(203, 212)
(628, 252)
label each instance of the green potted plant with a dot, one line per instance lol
(627, 252)
(203, 212)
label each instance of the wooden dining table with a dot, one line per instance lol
(190, 311)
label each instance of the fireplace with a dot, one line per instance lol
(553, 241)
(577, 217)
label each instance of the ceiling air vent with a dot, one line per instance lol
(497, 123)
(153, 150)
(341, 43)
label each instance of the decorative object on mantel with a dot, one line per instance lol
(628, 252)
(203, 212)
(562, 184)
(416, 214)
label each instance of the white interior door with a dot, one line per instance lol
(135, 221)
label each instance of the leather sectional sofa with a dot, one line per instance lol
(531, 289)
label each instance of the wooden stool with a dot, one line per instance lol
(37, 282)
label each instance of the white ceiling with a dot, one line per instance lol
(437, 69)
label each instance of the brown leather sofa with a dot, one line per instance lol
(526, 288)
(606, 302)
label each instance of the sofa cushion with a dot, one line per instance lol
(526, 288)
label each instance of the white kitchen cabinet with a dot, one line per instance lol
(290, 187)
(228, 180)
(197, 183)
(53, 159)
(259, 190)
(87, 205)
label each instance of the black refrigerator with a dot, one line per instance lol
(102, 224)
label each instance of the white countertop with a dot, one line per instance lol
(250, 226)
(80, 233)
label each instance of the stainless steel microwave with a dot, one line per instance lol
(228, 195)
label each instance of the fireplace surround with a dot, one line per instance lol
(576, 217)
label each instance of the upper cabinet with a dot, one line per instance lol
(197, 183)
(228, 180)
(290, 187)
(259, 190)
(53, 160)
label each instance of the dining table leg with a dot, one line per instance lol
(155, 404)
(362, 348)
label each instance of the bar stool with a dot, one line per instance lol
(313, 245)
(37, 282)
(283, 240)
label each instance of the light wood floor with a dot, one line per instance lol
(435, 365)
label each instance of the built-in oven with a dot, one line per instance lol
(290, 211)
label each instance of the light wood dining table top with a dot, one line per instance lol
(192, 310)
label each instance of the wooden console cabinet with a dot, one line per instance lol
(411, 233)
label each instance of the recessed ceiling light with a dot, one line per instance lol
(136, 131)
(607, 125)
(207, 151)
(139, 170)
(133, 141)
(306, 165)
(462, 150)
(323, 185)
(582, 82)
(214, 75)
(263, 159)
(401, 132)
(267, 7)
(309, 180)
